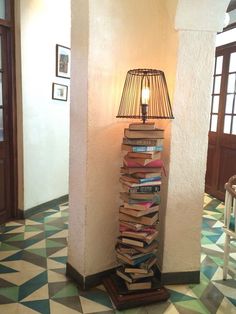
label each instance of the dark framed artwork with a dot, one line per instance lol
(59, 91)
(62, 61)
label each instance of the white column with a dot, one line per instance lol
(109, 38)
(197, 23)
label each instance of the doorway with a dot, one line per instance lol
(8, 178)
(221, 160)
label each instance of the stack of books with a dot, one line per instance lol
(138, 215)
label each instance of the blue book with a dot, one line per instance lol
(142, 149)
(142, 259)
(150, 179)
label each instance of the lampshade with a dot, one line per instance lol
(145, 95)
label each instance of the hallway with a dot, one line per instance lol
(33, 255)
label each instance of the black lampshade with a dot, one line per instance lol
(145, 95)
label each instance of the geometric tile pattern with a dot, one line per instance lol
(33, 254)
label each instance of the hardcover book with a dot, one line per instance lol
(141, 189)
(147, 248)
(131, 178)
(150, 155)
(144, 134)
(143, 149)
(143, 141)
(142, 126)
(134, 261)
(144, 236)
(140, 200)
(147, 163)
(138, 213)
(141, 206)
(149, 219)
(131, 184)
(140, 170)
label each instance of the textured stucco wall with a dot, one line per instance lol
(121, 35)
(188, 152)
(202, 15)
(189, 133)
(45, 121)
(78, 178)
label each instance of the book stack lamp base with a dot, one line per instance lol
(135, 282)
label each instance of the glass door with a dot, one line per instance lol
(221, 160)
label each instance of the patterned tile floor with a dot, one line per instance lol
(33, 254)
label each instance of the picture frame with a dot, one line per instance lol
(62, 61)
(59, 91)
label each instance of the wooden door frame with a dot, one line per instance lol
(218, 135)
(9, 25)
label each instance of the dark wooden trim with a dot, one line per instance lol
(40, 208)
(231, 6)
(224, 47)
(9, 14)
(6, 23)
(188, 277)
(230, 26)
(13, 131)
(10, 125)
(87, 282)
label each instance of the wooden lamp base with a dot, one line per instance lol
(125, 299)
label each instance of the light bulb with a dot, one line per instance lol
(145, 95)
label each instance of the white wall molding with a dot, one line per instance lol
(201, 15)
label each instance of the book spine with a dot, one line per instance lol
(140, 142)
(144, 149)
(143, 180)
(145, 189)
(141, 260)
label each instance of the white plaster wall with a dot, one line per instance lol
(204, 15)
(78, 177)
(122, 36)
(188, 152)
(189, 134)
(45, 121)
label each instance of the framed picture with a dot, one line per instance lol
(62, 61)
(59, 91)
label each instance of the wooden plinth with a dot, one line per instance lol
(124, 299)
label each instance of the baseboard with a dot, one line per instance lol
(22, 214)
(188, 277)
(90, 281)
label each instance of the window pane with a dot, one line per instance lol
(234, 126)
(214, 119)
(217, 84)
(232, 65)
(229, 103)
(215, 106)
(1, 125)
(1, 102)
(0, 52)
(2, 9)
(227, 124)
(219, 61)
(231, 83)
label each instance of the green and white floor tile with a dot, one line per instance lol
(33, 256)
